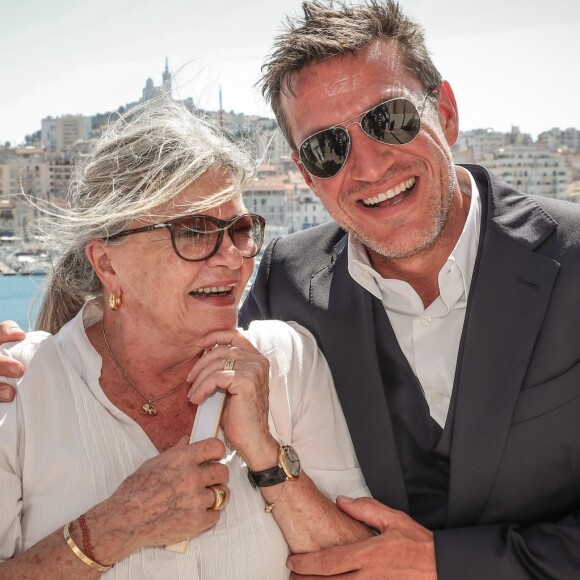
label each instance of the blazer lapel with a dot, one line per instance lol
(506, 308)
(343, 314)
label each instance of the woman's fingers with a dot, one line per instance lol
(169, 497)
(227, 338)
(226, 367)
(244, 375)
(220, 494)
(9, 332)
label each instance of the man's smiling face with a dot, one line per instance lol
(396, 199)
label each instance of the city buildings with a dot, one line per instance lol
(548, 166)
(557, 139)
(23, 172)
(286, 202)
(535, 171)
(60, 133)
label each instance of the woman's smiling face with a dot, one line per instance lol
(174, 297)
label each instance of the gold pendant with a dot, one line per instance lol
(149, 408)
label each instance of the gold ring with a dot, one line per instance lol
(220, 497)
(229, 365)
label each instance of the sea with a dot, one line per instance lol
(20, 295)
(17, 295)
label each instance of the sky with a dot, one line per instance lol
(510, 62)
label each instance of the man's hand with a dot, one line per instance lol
(403, 550)
(9, 332)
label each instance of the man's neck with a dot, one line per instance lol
(421, 272)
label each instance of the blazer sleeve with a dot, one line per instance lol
(510, 552)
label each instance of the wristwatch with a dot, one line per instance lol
(288, 468)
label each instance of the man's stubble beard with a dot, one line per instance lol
(436, 229)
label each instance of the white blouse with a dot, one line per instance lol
(64, 448)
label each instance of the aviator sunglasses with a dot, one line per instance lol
(198, 237)
(394, 122)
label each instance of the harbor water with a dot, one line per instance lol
(16, 298)
(19, 294)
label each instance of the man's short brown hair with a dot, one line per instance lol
(329, 29)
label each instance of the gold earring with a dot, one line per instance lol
(114, 301)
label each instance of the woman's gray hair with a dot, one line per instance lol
(335, 28)
(142, 162)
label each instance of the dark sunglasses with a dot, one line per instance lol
(394, 122)
(198, 237)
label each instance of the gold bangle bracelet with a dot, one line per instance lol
(81, 555)
(270, 506)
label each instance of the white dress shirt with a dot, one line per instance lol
(64, 447)
(429, 337)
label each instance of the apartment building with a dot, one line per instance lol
(534, 171)
(8, 218)
(478, 144)
(266, 195)
(60, 133)
(304, 209)
(557, 139)
(60, 168)
(22, 171)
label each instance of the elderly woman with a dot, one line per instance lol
(95, 469)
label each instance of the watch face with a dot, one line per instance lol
(290, 461)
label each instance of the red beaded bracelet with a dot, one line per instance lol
(88, 549)
(80, 554)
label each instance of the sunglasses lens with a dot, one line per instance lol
(196, 237)
(323, 154)
(248, 234)
(395, 122)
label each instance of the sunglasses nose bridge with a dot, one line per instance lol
(346, 128)
(357, 121)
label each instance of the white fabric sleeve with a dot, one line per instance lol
(10, 474)
(304, 408)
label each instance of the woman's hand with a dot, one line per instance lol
(245, 414)
(168, 499)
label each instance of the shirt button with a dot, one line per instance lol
(436, 397)
(425, 321)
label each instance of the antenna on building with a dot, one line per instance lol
(221, 111)
(167, 79)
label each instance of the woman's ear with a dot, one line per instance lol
(448, 114)
(98, 253)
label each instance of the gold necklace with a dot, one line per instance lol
(149, 407)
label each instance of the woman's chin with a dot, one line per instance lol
(213, 313)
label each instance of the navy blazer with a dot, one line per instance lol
(514, 490)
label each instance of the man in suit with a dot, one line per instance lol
(445, 303)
